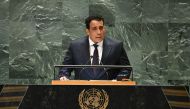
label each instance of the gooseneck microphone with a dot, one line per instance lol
(89, 60)
(101, 63)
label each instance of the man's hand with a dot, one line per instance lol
(63, 78)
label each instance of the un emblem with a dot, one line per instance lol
(93, 99)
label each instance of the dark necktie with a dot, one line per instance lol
(95, 60)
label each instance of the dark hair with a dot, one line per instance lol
(90, 18)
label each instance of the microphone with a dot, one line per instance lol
(105, 69)
(89, 60)
(101, 63)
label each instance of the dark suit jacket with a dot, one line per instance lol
(78, 54)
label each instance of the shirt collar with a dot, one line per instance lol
(91, 42)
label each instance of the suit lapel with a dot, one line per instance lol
(85, 51)
(106, 50)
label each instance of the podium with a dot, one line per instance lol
(93, 94)
(93, 82)
(102, 94)
(107, 94)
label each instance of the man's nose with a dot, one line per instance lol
(98, 31)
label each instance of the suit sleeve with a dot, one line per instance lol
(68, 60)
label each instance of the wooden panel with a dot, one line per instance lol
(180, 104)
(11, 99)
(14, 89)
(174, 92)
(14, 107)
(92, 82)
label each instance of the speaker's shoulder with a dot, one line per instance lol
(112, 41)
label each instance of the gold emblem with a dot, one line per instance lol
(93, 99)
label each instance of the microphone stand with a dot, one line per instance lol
(85, 63)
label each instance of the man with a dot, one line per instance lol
(94, 49)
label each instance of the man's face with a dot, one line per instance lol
(96, 31)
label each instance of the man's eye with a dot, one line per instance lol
(94, 28)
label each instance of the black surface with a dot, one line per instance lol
(120, 97)
(178, 98)
(1, 87)
(12, 94)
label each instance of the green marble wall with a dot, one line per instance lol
(34, 35)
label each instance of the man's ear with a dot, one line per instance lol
(87, 32)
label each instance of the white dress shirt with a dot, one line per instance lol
(100, 49)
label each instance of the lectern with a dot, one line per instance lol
(106, 94)
(92, 94)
